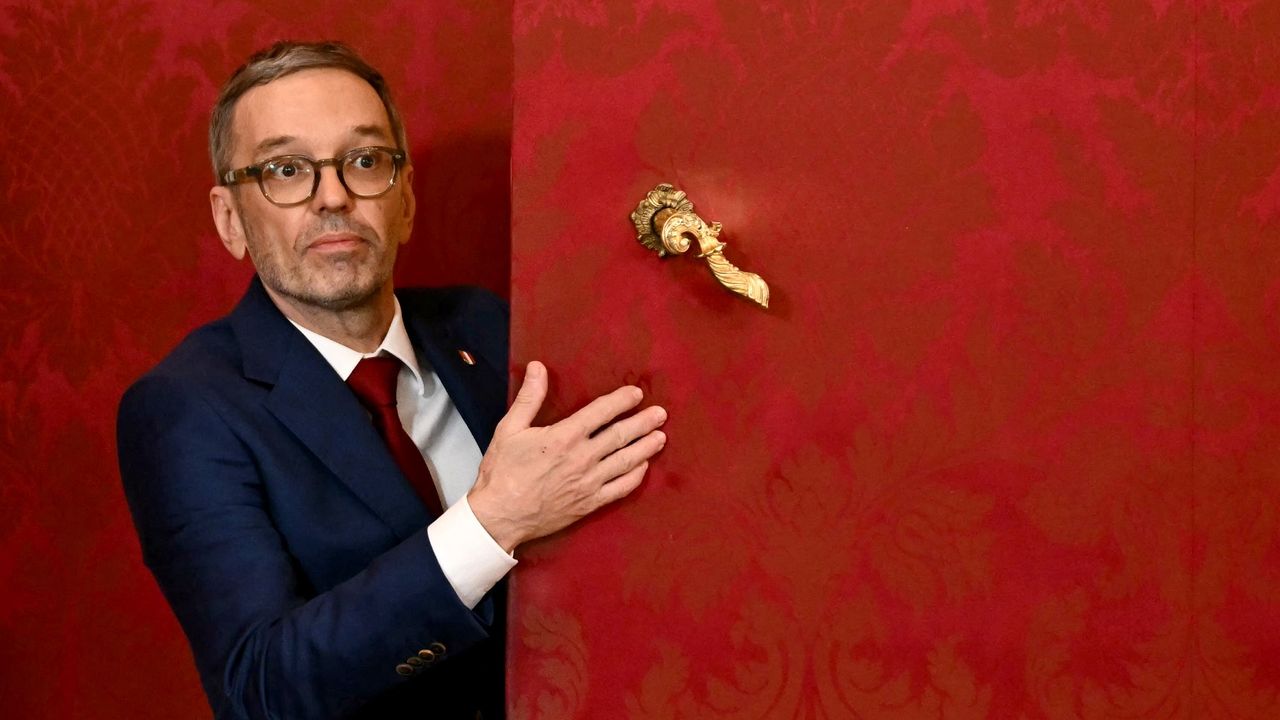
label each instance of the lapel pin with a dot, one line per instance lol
(466, 357)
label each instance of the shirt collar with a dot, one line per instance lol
(343, 359)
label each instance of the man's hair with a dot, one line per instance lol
(285, 58)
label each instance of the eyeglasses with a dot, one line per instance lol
(287, 180)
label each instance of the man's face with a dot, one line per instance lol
(335, 251)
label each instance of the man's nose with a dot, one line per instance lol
(331, 194)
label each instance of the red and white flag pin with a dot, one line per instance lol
(466, 357)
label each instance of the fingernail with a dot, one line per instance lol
(662, 414)
(662, 439)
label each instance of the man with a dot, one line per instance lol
(284, 465)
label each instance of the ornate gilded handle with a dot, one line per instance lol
(665, 223)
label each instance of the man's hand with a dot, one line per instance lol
(536, 480)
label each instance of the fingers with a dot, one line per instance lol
(622, 486)
(622, 433)
(528, 400)
(600, 411)
(630, 457)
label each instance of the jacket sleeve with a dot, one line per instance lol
(266, 645)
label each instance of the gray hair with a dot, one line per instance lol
(286, 58)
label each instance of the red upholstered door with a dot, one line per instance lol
(984, 455)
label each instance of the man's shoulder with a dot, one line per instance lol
(213, 354)
(208, 355)
(466, 312)
(454, 303)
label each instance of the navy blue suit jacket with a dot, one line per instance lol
(285, 538)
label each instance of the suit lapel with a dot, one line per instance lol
(309, 399)
(475, 392)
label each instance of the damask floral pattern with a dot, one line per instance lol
(1006, 445)
(1003, 445)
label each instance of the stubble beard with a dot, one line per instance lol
(335, 284)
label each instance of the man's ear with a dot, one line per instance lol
(226, 218)
(406, 193)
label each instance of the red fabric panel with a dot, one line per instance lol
(1005, 443)
(1235, 550)
(108, 257)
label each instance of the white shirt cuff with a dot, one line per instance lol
(471, 560)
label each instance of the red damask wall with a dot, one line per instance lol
(108, 256)
(1017, 392)
(1007, 442)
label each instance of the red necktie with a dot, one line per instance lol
(374, 383)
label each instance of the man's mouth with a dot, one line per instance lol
(334, 243)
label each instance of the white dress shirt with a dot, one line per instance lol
(470, 558)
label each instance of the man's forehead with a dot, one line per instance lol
(307, 108)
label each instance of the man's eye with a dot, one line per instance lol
(367, 161)
(284, 170)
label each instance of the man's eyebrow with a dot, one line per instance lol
(272, 143)
(376, 131)
(362, 131)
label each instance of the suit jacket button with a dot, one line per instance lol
(404, 669)
(426, 656)
(437, 648)
(416, 662)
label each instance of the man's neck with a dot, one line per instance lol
(361, 328)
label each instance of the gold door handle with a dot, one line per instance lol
(665, 222)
